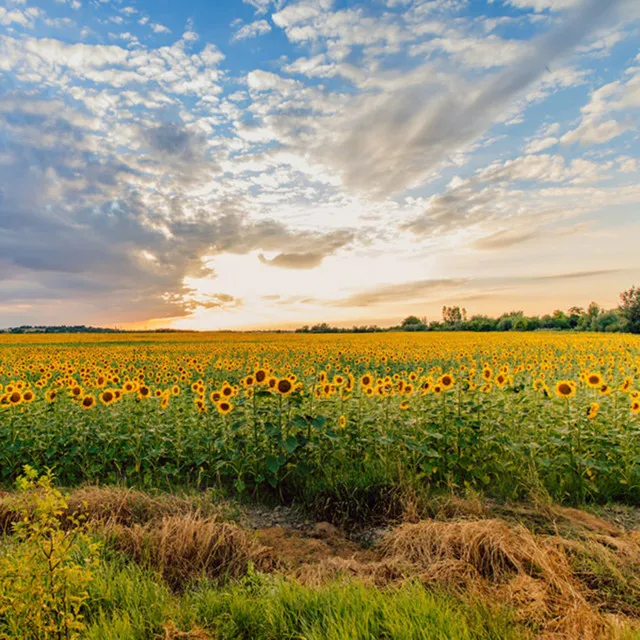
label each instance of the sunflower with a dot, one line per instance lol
(15, 398)
(447, 381)
(175, 390)
(76, 392)
(404, 405)
(342, 422)
(28, 396)
(284, 387)
(626, 385)
(107, 396)
(50, 395)
(592, 411)
(437, 388)
(164, 403)
(635, 406)
(539, 385)
(144, 392)
(260, 376)
(566, 389)
(215, 396)
(366, 380)
(224, 407)
(501, 380)
(594, 380)
(605, 390)
(487, 373)
(88, 402)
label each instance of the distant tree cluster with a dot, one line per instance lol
(81, 328)
(78, 328)
(626, 318)
(325, 328)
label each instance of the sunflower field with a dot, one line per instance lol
(318, 417)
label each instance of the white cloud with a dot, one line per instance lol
(536, 146)
(597, 125)
(542, 5)
(16, 16)
(262, 6)
(159, 28)
(252, 30)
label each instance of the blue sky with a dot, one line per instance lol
(254, 163)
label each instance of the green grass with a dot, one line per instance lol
(129, 603)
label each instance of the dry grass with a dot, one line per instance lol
(102, 506)
(492, 559)
(587, 586)
(184, 547)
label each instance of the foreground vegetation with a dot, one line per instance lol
(107, 563)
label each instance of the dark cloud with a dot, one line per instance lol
(399, 293)
(323, 246)
(172, 141)
(88, 230)
(294, 260)
(577, 274)
(505, 239)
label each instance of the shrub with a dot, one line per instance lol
(45, 567)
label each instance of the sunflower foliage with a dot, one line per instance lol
(310, 417)
(45, 566)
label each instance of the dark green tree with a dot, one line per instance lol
(630, 309)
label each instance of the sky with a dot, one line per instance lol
(231, 164)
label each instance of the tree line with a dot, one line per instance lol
(624, 318)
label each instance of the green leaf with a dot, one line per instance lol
(318, 422)
(291, 444)
(273, 464)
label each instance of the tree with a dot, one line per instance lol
(630, 309)
(411, 320)
(608, 321)
(453, 315)
(575, 316)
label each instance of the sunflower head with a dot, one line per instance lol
(566, 389)
(447, 381)
(592, 411)
(284, 386)
(224, 407)
(107, 396)
(594, 380)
